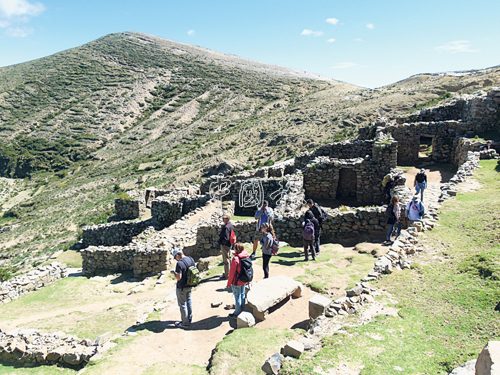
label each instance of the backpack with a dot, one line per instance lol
(232, 238)
(275, 246)
(324, 215)
(193, 274)
(389, 211)
(308, 232)
(246, 273)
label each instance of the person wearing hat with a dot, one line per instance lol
(183, 291)
(420, 183)
(225, 244)
(415, 209)
(264, 215)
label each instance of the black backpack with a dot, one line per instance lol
(246, 273)
(389, 211)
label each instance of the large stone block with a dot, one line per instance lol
(245, 319)
(488, 362)
(293, 349)
(267, 293)
(318, 305)
(273, 364)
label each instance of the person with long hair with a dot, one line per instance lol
(233, 281)
(394, 221)
(267, 242)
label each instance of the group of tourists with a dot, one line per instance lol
(415, 209)
(238, 271)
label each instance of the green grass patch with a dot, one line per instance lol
(446, 305)
(245, 350)
(242, 218)
(71, 258)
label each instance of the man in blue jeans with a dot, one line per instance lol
(183, 292)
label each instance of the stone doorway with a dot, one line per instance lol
(347, 186)
(426, 147)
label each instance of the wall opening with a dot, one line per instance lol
(348, 181)
(426, 147)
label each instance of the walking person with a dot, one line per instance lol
(225, 244)
(415, 209)
(420, 183)
(266, 241)
(320, 215)
(311, 227)
(263, 216)
(183, 291)
(234, 281)
(394, 221)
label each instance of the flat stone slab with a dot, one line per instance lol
(267, 293)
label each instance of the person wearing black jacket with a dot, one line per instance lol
(318, 214)
(310, 216)
(225, 244)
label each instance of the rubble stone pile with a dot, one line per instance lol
(35, 279)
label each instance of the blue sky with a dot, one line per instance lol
(363, 42)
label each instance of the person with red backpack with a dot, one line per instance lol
(226, 239)
(240, 274)
(311, 227)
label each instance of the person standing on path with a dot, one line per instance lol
(267, 242)
(225, 244)
(233, 281)
(415, 209)
(420, 183)
(264, 215)
(309, 242)
(183, 291)
(394, 221)
(318, 213)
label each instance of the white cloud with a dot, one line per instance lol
(18, 12)
(358, 40)
(456, 46)
(17, 8)
(333, 21)
(308, 32)
(344, 65)
(331, 40)
(19, 32)
(371, 26)
(191, 32)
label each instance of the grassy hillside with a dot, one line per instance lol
(131, 110)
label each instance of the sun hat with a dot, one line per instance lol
(177, 251)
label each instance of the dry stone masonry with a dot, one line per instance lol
(34, 280)
(29, 347)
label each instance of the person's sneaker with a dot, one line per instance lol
(178, 324)
(233, 315)
(223, 277)
(252, 256)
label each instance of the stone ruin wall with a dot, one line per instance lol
(113, 234)
(132, 208)
(30, 347)
(322, 175)
(339, 226)
(35, 279)
(165, 212)
(468, 116)
(98, 259)
(342, 150)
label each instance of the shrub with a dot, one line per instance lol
(5, 274)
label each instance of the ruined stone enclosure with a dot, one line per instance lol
(346, 173)
(439, 129)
